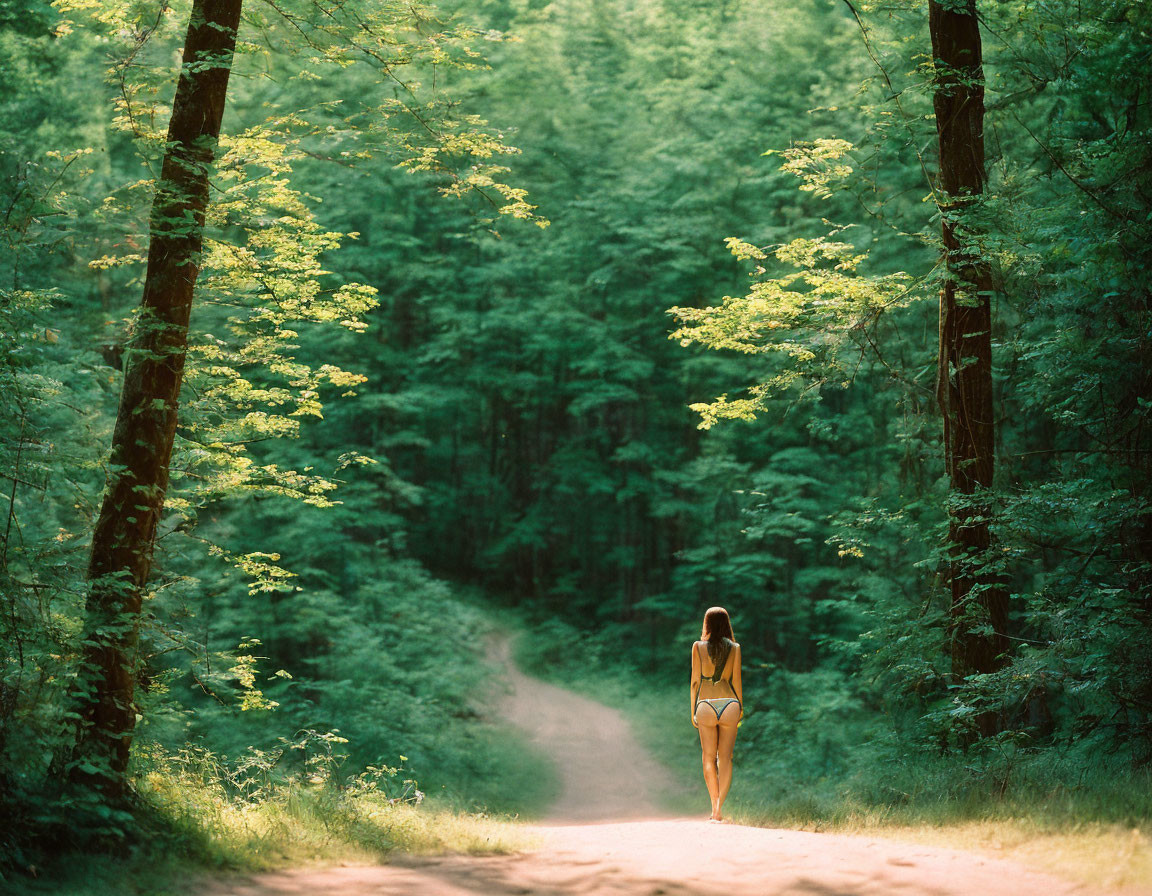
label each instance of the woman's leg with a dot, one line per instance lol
(726, 740)
(708, 740)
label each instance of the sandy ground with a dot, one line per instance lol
(605, 836)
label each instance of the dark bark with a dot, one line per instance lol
(122, 543)
(965, 382)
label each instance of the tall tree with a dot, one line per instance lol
(964, 386)
(123, 540)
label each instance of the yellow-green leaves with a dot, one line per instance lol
(260, 567)
(337, 86)
(457, 150)
(263, 284)
(351, 458)
(819, 307)
(244, 672)
(818, 163)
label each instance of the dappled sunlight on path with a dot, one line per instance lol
(676, 857)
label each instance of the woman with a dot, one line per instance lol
(717, 702)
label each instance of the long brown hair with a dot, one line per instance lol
(717, 627)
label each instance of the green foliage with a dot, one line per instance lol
(1067, 311)
(265, 301)
(393, 402)
(823, 309)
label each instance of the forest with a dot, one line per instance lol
(344, 342)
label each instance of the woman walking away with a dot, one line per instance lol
(717, 702)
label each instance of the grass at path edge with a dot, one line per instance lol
(301, 831)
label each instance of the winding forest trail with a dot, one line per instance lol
(606, 836)
(604, 772)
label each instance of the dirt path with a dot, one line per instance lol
(606, 777)
(677, 857)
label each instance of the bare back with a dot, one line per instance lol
(709, 687)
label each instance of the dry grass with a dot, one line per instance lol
(1105, 856)
(1102, 856)
(307, 825)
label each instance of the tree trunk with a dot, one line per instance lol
(965, 379)
(122, 543)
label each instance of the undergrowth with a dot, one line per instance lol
(374, 771)
(199, 813)
(197, 832)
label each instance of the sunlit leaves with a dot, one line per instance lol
(818, 163)
(466, 141)
(813, 314)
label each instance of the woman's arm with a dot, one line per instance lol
(694, 684)
(737, 683)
